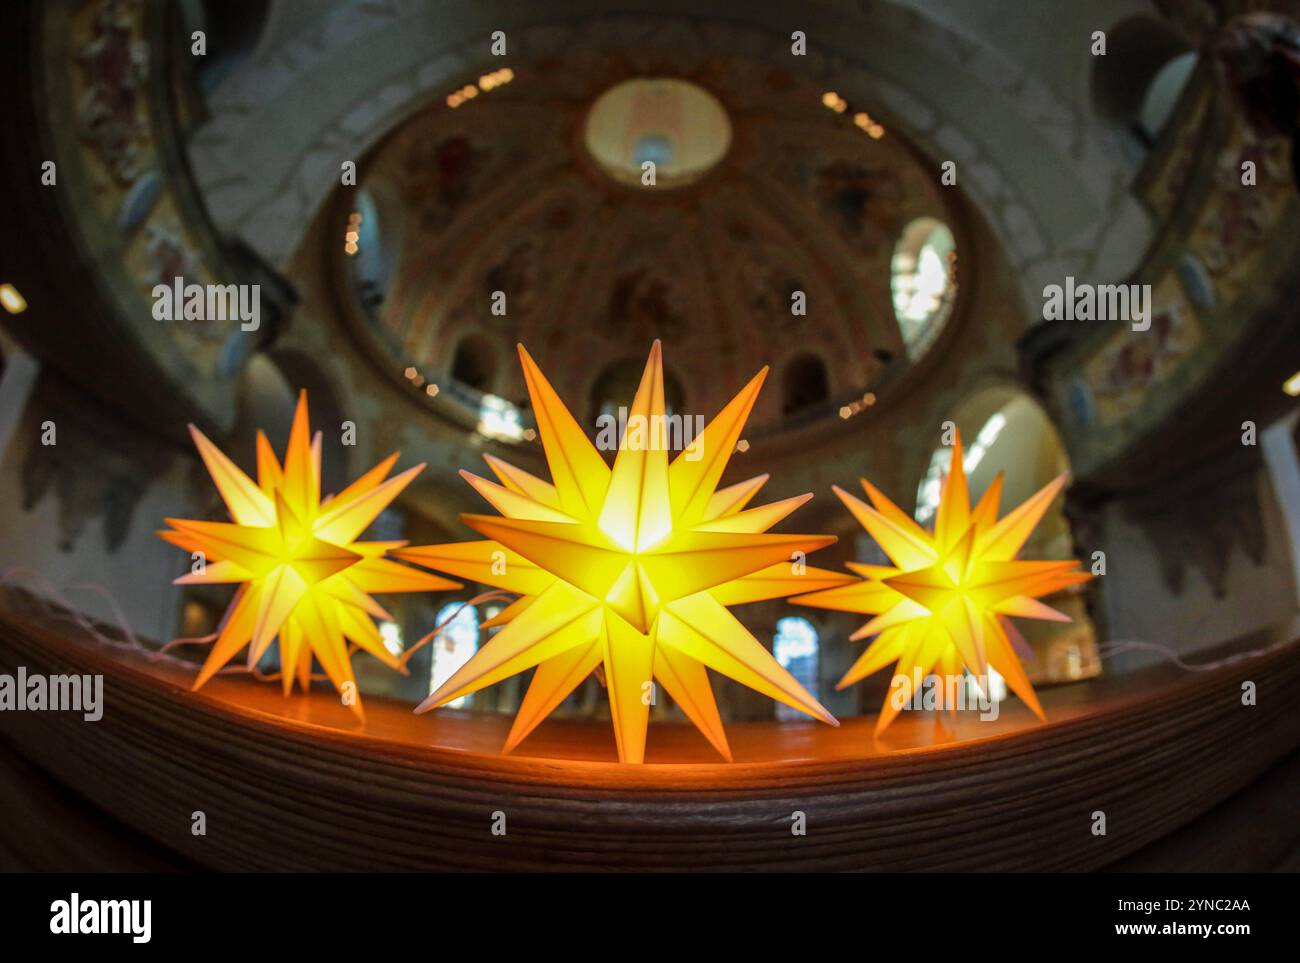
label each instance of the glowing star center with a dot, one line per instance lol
(316, 561)
(633, 596)
(311, 558)
(629, 569)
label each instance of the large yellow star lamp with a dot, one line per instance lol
(944, 602)
(302, 574)
(629, 568)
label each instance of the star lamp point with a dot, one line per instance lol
(628, 569)
(303, 576)
(945, 602)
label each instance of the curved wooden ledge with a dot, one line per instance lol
(297, 785)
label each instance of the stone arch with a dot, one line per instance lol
(894, 58)
(805, 383)
(475, 362)
(617, 383)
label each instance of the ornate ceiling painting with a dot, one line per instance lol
(503, 194)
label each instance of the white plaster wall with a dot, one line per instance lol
(137, 575)
(1141, 607)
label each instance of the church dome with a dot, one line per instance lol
(767, 234)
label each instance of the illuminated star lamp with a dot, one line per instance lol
(302, 574)
(945, 601)
(629, 568)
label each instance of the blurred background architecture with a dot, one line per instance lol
(498, 199)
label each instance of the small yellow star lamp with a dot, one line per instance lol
(944, 602)
(629, 569)
(302, 574)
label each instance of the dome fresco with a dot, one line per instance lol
(676, 125)
(504, 194)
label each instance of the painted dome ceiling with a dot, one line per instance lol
(513, 185)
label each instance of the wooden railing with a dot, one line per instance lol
(296, 784)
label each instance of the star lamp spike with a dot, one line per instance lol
(628, 570)
(945, 601)
(303, 577)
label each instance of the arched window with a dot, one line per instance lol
(927, 495)
(1138, 83)
(454, 645)
(231, 29)
(1163, 93)
(804, 383)
(923, 281)
(474, 364)
(1015, 439)
(795, 647)
(372, 265)
(617, 385)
